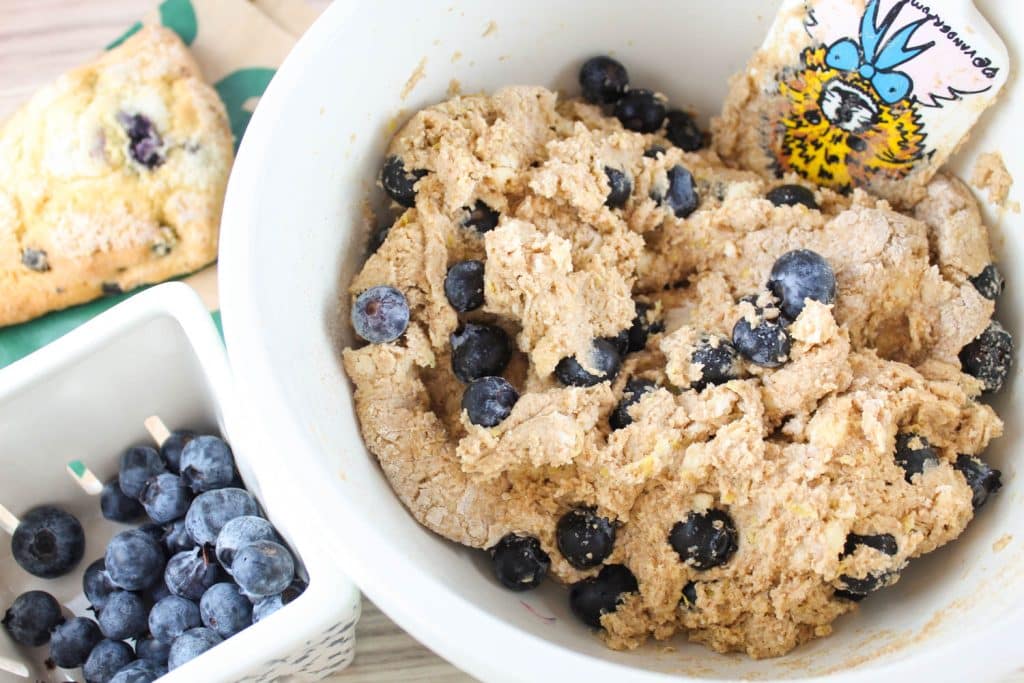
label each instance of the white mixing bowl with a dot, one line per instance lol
(293, 236)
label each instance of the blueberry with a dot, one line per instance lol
(154, 531)
(190, 645)
(210, 511)
(989, 357)
(718, 359)
(480, 217)
(380, 314)
(982, 479)
(377, 238)
(519, 562)
(913, 454)
(681, 130)
(603, 80)
(883, 543)
(601, 594)
(240, 532)
(635, 388)
(644, 325)
(705, 539)
(263, 568)
(799, 275)
(157, 592)
(681, 197)
(171, 448)
(689, 599)
(140, 671)
(105, 660)
(116, 506)
(175, 537)
(399, 184)
(264, 607)
(603, 357)
(134, 560)
(206, 464)
(654, 151)
(791, 195)
(123, 617)
(489, 400)
(138, 465)
(48, 542)
(35, 259)
(144, 142)
(584, 537)
(171, 617)
(857, 589)
(767, 343)
(152, 650)
(96, 585)
(165, 498)
(72, 641)
(989, 282)
(464, 285)
(641, 111)
(480, 351)
(620, 342)
(619, 188)
(191, 572)
(31, 617)
(225, 610)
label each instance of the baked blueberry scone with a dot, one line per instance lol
(110, 178)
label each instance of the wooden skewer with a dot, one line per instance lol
(157, 429)
(8, 522)
(84, 477)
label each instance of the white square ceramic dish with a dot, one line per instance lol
(85, 397)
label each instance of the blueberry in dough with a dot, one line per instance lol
(464, 285)
(800, 275)
(380, 314)
(791, 195)
(591, 598)
(634, 390)
(399, 184)
(718, 359)
(489, 400)
(519, 562)
(584, 537)
(914, 454)
(619, 188)
(480, 351)
(982, 479)
(641, 111)
(603, 80)
(604, 357)
(682, 131)
(704, 539)
(989, 357)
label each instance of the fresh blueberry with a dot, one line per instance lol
(399, 184)
(172, 446)
(480, 351)
(35, 259)
(116, 506)
(767, 343)
(982, 479)
(138, 465)
(152, 650)
(791, 195)
(641, 111)
(682, 196)
(171, 617)
(175, 537)
(989, 282)
(705, 539)
(134, 560)
(619, 188)
(913, 454)
(380, 314)
(620, 342)
(603, 357)
(603, 80)
(165, 498)
(96, 585)
(480, 217)
(584, 537)
(989, 357)
(191, 572)
(140, 671)
(883, 543)
(591, 598)
(644, 325)
(682, 131)
(105, 660)
(654, 151)
(31, 617)
(206, 464)
(48, 542)
(72, 641)
(799, 275)
(464, 285)
(240, 532)
(856, 589)
(489, 400)
(225, 610)
(263, 568)
(689, 599)
(144, 142)
(123, 617)
(157, 592)
(264, 607)
(190, 645)
(718, 359)
(519, 562)
(635, 388)
(377, 238)
(210, 511)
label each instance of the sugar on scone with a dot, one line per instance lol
(711, 403)
(110, 178)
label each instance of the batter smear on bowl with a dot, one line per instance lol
(710, 402)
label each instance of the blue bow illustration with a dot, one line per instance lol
(877, 63)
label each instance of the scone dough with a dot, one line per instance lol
(800, 456)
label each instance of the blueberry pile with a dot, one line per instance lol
(203, 567)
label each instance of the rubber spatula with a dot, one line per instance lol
(876, 94)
